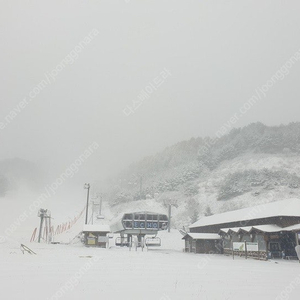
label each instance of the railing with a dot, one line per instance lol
(153, 242)
(120, 242)
(262, 255)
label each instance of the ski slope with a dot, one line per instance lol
(76, 272)
(72, 271)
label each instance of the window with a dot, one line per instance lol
(128, 224)
(149, 217)
(128, 217)
(163, 217)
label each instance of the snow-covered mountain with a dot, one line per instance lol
(202, 176)
(248, 166)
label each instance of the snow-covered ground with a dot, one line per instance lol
(77, 272)
(166, 273)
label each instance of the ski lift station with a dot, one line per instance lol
(140, 224)
(96, 235)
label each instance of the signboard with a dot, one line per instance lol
(151, 225)
(252, 246)
(91, 241)
(240, 246)
(142, 224)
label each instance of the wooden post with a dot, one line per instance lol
(33, 235)
(245, 250)
(232, 250)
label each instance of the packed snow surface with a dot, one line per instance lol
(77, 272)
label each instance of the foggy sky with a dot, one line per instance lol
(218, 53)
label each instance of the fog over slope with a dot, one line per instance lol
(249, 166)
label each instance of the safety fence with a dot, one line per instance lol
(48, 231)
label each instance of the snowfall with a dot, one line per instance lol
(70, 270)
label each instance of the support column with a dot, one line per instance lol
(41, 226)
(122, 239)
(169, 213)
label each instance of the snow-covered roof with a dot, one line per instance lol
(236, 229)
(292, 228)
(263, 228)
(268, 228)
(246, 229)
(289, 207)
(144, 212)
(96, 228)
(203, 236)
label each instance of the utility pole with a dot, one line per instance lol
(87, 186)
(169, 213)
(100, 195)
(41, 226)
(100, 204)
(93, 203)
(141, 186)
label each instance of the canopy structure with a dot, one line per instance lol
(96, 228)
(143, 222)
(203, 236)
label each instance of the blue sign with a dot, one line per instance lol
(145, 225)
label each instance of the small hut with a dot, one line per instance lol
(96, 235)
(203, 243)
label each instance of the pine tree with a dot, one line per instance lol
(208, 212)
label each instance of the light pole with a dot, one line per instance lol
(100, 208)
(100, 204)
(87, 186)
(170, 216)
(141, 186)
